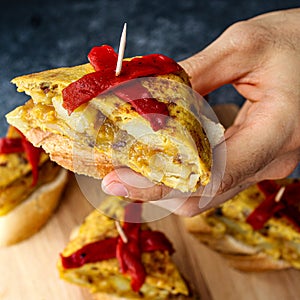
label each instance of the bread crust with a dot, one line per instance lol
(29, 216)
(255, 263)
(71, 155)
(237, 254)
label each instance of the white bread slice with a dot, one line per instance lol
(29, 216)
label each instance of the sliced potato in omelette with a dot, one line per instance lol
(163, 280)
(107, 132)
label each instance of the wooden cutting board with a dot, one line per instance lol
(28, 269)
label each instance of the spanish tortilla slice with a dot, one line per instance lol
(104, 278)
(107, 132)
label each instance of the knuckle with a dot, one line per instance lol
(246, 36)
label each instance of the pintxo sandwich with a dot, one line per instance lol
(91, 121)
(31, 186)
(258, 229)
(129, 261)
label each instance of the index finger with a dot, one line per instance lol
(229, 58)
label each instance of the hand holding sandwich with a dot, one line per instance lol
(260, 57)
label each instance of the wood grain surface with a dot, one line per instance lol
(28, 269)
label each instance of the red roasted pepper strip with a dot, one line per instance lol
(103, 57)
(266, 209)
(33, 155)
(106, 249)
(154, 111)
(129, 254)
(291, 199)
(264, 212)
(86, 88)
(90, 253)
(11, 145)
(291, 194)
(155, 241)
(269, 207)
(268, 187)
(104, 60)
(130, 263)
(17, 145)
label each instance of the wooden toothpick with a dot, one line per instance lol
(121, 50)
(121, 232)
(279, 194)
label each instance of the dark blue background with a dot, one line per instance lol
(37, 35)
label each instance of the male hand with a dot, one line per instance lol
(260, 57)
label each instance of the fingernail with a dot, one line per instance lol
(116, 189)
